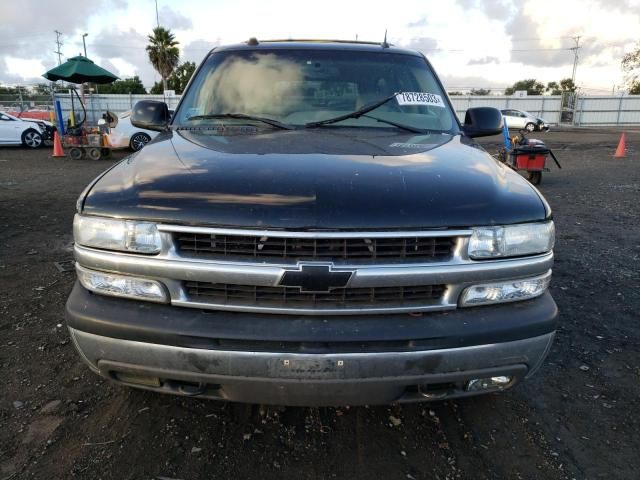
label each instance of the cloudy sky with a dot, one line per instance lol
(472, 43)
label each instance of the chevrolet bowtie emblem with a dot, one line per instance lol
(315, 278)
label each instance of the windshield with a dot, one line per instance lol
(299, 87)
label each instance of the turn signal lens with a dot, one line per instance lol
(121, 285)
(509, 291)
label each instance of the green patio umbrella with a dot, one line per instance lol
(80, 70)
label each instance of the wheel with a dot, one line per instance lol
(75, 153)
(534, 177)
(94, 153)
(139, 140)
(530, 127)
(32, 139)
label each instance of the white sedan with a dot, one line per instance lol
(18, 131)
(521, 119)
(124, 134)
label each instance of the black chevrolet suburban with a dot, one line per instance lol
(313, 226)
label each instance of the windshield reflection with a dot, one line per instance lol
(297, 87)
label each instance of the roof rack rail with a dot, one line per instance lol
(254, 41)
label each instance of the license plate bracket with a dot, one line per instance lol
(304, 368)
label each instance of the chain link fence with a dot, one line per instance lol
(18, 104)
(569, 109)
(98, 104)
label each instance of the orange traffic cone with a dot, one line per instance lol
(57, 146)
(621, 150)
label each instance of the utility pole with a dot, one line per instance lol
(575, 57)
(59, 43)
(157, 17)
(84, 44)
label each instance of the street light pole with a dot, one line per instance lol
(84, 44)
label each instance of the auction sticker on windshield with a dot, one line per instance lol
(420, 98)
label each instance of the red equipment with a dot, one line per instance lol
(530, 156)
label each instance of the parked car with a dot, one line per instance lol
(299, 233)
(27, 132)
(519, 119)
(124, 134)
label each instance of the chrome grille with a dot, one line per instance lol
(410, 248)
(291, 297)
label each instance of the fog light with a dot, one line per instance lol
(508, 291)
(121, 285)
(491, 383)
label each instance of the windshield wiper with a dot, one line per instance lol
(399, 125)
(356, 114)
(242, 116)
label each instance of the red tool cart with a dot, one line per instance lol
(529, 156)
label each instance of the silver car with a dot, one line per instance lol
(520, 119)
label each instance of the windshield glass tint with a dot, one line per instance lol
(301, 86)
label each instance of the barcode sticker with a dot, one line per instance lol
(420, 98)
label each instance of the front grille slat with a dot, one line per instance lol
(291, 297)
(248, 247)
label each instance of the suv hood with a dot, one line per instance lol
(326, 178)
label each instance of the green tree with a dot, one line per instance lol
(5, 90)
(181, 76)
(554, 88)
(156, 89)
(127, 85)
(163, 52)
(631, 67)
(41, 89)
(178, 79)
(480, 91)
(565, 85)
(531, 85)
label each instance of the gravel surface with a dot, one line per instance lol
(576, 418)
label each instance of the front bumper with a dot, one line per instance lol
(290, 360)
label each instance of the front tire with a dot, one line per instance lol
(138, 141)
(530, 127)
(32, 139)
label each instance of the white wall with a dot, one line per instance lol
(547, 107)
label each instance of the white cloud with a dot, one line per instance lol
(469, 40)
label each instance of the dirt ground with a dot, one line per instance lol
(575, 419)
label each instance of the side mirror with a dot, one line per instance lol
(150, 115)
(482, 122)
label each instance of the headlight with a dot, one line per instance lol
(511, 240)
(121, 285)
(507, 291)
(114, 234)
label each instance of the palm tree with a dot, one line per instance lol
(163, 52)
